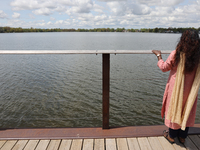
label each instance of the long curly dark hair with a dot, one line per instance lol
(190, 45)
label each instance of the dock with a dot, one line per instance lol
(146, 143)
(119, 138)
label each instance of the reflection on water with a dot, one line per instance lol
(66, 90)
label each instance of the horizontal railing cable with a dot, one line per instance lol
(81, 51)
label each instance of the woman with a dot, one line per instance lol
(180, 96)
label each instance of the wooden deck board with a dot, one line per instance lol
(111, 144)
(31, 144)
(155, 144)
(133, 144)
(9, 145)
(76, 144)
(144, 143)
(195, 139)
(165, 144)
(65, 145)
(122, 144)
(99, 144)
(20, 145)
(2, 143)
(88, 144)
(189, 144)
(178, 146)
(42, 145)
(53, 145)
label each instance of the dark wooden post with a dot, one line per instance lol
(106, 89)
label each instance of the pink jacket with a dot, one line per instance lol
(189, 78)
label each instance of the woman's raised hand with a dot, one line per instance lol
(156, 52)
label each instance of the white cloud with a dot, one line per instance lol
(3, 15)
(67, 2)
(59, 22)
(100, 18)
(43, 11)
(84, 7)
(149, 2)
(111, 0)
(38, 7)
(171, 2)
(16, 15)
(25, 5)
(190, 9)
(124, 8)
(139, 9)
(62, 23)
(43, 7)
(49, 23)
(41, 24)
(99, 9)
(104, 13)
(85, 17)
(60, 8)
(81, 6)
(15, 23)
(162, 11)
(48, 4)
(160, 2)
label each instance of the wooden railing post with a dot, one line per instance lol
(105, 89)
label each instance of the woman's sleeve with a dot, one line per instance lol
(168, 64)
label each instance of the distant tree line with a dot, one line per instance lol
(155, 30)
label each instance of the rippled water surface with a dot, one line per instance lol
(66, 90)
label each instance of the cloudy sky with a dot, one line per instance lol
(100, 13)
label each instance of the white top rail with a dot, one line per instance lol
(81, 51)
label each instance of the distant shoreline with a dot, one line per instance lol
(146, 30)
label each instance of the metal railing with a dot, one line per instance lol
(80, 51)
(105, 69)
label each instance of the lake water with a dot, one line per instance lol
(66, 90)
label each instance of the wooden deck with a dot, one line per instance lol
(141, 143)
(121, 138)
